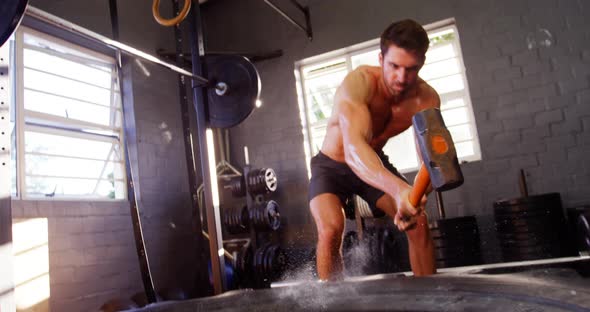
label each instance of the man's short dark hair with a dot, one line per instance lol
(406, 34)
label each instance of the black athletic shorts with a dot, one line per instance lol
(330, 176)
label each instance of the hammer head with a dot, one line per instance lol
(437, 150)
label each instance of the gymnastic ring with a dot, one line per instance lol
(173, 21)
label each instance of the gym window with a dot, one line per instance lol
(66, 125)
(318, 77)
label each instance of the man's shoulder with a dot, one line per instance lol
(361, 82)
(427, 93)
(366, 70)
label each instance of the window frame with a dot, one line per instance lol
(76, 126)
(348, 53)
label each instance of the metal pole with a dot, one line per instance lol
(144, 265)
(190, 159)
(524, 191)
(440, 205)
(200, 104)
(303, 9)
(114, 44)
(276, 8)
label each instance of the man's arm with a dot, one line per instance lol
(355, 124)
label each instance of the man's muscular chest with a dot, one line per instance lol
(389, 120)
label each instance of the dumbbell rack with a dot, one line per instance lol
(258, 259)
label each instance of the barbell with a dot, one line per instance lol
(233, 82)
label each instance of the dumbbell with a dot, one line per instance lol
(260, 181)
(236, 219)
(265, 216)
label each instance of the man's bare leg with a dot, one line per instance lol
(329, 219)
(421, 247)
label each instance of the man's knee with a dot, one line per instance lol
(330, 233)
(327, 212)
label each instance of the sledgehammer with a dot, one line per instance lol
(440, 165)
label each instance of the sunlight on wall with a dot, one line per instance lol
(6, 286)
(31, 262)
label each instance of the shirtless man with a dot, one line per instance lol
(372, 105)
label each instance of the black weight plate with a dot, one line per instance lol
(456, 253)
(514, 244)
(388, 246)
(529, 215)
(583, 230)
(458, 250)
(243, 83)
(526, 226)
(527, 236)
(245, 222)
(547, 233)
(533, 201)
(11, 13)
(460, 223)
(464, 245)
(457, 235)
(464, 257)
(524, 212)
(258, 264)
(455, 231)
(553, 217)
(543, 221)
(526, 257)
(280, 262)
(549, 251)
(246, 259)
(538, 249)
(255, 216)
(262, 225)
(555, 207)
(542, 226)
(350, 241)
(265, 258)
(268, 259)
(272, 215)
(273, 265)
(268, 254)
(234, 220)
(244, 266)
(255, 262)
(271, 262)
(380, 246)
(457, 262)
(451, 263)
(535, 230)
(445, 242)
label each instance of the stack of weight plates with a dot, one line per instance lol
(579, 229)
(583, 230)
(531, 227)
(456, 242)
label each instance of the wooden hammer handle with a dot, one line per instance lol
(420, 184)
